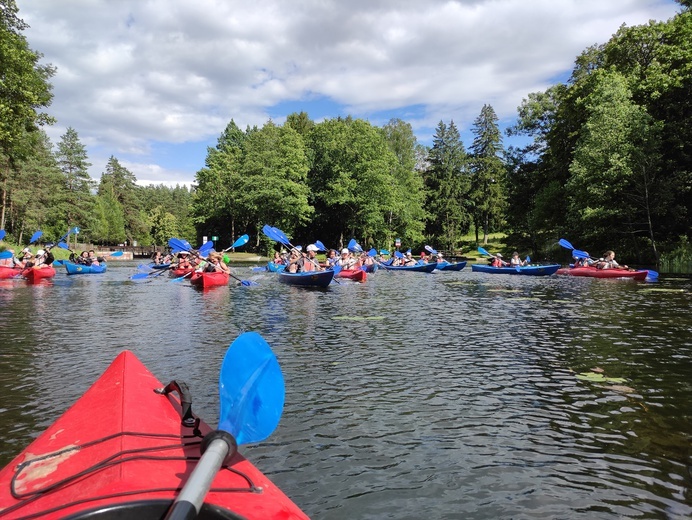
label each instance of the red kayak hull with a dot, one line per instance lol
(593, 272)
(34, 274)
(177, 273)
(357, 275)
(117, 416)
(9, 272)
(206, 280)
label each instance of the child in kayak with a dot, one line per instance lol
(608, 262)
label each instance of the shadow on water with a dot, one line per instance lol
(443, 396)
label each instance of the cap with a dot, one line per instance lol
(408, 253)
(26, 250)
(181, 253)
(499, 255)
(49, 245)
(312, 247)
(40, 252)
(344, 251)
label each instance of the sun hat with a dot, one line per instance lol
(312, 247)
(499, 255)
(40, 252)
(26, 250)
(344, 251)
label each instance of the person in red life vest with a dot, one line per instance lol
(498, 261)
(309, 262)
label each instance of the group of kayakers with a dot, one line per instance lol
(27, 259)
(297, 260)
(515, 261)
(88, 258)
(193, 261)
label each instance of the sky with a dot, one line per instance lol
(155, 82)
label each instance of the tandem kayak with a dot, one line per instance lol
(123, 451)
(529, 270)
(210, 279)
(73, 268)
(160, 266)
(594, 272)
(177, 273)
(418, 268)
(9, 272)
(307, 278)
(35, 274)
(448, 266)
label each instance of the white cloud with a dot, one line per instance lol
(134, 73)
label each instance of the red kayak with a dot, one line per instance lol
(594, 272)
(206, 280)
(9, 272)
(357, 275)
(177, 273)
(121, 451)
(35, 274)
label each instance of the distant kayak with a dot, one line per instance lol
(9, 272)
(206, 280)
(307, 278)
(594, 272)
(447, 266)
(418, 268)
(35, 274)
(72, 268)
(529, 270)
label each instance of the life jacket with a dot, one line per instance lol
(496, 262)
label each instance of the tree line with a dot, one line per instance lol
(607, 165)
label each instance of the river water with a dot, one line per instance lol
(442, 396)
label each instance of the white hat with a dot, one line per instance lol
(26, 250)
(40, 252)
(499, 255)
(312, 247)
(408, 253)
(344, 251)
(180, 253)
(439, 255)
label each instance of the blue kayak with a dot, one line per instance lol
(448, 266)
(418, 268)
(84, 269)
(307, 278)
(529, 270)
(275, 268)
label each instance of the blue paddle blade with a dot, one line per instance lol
(205, 248)
(336, 268)
(117, 253)
(384, 252)
(63, 245)
(5, 254)
(528, 259)
(139, 276)
(483, 251)
(431, 250)
(565, 244)
(321, 246)
(251, 389)
(35, 236)
(372, 252)
(398, 254)
(178, 245)
(267, 230)
(241, 241)
(580, 254)
(2, 234)
(652, 275)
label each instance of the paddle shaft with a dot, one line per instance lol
(191, 498)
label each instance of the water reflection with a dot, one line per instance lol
(444, 396)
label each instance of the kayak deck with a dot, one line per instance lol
(122, 443)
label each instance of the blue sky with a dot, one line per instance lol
(155, 82)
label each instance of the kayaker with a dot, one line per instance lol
(157, 258)
(584, 262)
(498, 261)
(43, 258)
(408, 260)
(439, 257)
(26, 259)
(184, 260)
(346, 261)
(278, 260)
(293, 261)
(93, 259)
(308, 262)
(423, 258)
(216, 263)
(608, 261)
(83, 258)
(515, 261)
(332, 258)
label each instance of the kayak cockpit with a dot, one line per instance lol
(148, 510)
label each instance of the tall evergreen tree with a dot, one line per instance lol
(119, 183)
(448, 183)
(72, 158)
(488, 172)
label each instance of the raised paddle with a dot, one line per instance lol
(251, 395)
(5, 254)
(2, 234)
(431, 250)
(35, 237)
(565, 244)
(238, 243)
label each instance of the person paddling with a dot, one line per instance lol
(608, 262)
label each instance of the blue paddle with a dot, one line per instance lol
(354, 246)
(238, 243)
(384, 252)
(5, 254)
(251, 395)
(35, 237)
(2, 234)
(484, 252)
(565, 244)
(321, 246)
(431, 250)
